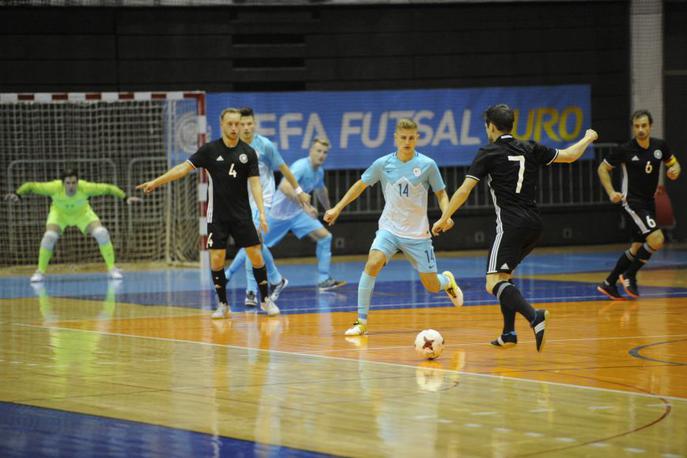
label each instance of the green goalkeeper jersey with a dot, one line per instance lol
(75, 205)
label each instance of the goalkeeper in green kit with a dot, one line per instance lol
(70, 207)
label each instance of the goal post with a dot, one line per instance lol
(123, 138)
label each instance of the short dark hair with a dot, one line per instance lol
(640, 113)
(247, 111)
(501, 116)
(69, 172)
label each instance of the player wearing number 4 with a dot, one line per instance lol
(405, 177)
(512, 170)
(640, 160)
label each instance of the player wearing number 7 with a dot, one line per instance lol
(511, 167)
(640, 159)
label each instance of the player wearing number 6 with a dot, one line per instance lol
(405, 177)
(640, 159)
(511, 167)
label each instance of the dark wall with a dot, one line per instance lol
(324, 48)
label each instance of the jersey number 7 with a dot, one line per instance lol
(521, 171)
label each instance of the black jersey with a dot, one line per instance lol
(229, 169)
(512, 169)
(641, 167)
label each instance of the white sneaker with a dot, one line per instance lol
(115, 274)
(453, 291)
(278, 288)
(269, 307)
(358, 329)
(37, 277)
(221, 312)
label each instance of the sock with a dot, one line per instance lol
(508, 319)
(509, 296)
(220, 282)
(251, 284)
(44, 256)
(273, 274)
(324, 257)
(623, 263)
(107, 251)
(365, 287)
(443, 281)
(236, 264)
(260, 275)
(641, 258)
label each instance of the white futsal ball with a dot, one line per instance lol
(429, 344)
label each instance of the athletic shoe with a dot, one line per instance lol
(505, 341)
(115, 274)
(539, 326)
(630, 286)
(330, 283)
(221, 312)
(251, 300)
(278, 288)
(269, 307)
(37, 277)
(358, 329)
(453, 290)
(610, 290)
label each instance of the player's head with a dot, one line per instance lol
(247, 125)
(641, 124)
(229, 122)
(498, 120)
(318, 151)
(406, 135)
(70, 178)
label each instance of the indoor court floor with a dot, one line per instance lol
(136, 368)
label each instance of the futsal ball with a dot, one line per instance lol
(429, 344)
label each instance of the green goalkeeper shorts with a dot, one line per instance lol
(82, 221)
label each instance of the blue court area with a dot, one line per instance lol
(397, 286)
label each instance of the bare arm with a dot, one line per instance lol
(322, 195)
(290, 179)
(175, 173)
(256, 189)
(352, 194)
(574, 151)
(457, 200)
(604, 172)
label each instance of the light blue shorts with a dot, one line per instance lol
(419, 252)
(301, 225)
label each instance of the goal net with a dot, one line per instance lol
(119, 138)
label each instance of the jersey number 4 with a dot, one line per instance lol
(521, 171)
(232, 172)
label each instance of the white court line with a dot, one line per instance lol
(349, 360)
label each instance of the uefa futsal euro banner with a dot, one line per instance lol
(360, 125)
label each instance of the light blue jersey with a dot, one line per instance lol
(405, 186)
(308, 179)
(269, 160)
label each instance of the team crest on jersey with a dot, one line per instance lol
(243, 158)
(658, 154)
(417, 171)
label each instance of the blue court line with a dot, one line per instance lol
(27, 431)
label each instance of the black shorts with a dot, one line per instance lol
(243, 233)
(641, 217)
(510, 247)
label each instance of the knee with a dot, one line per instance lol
(326, 239)
(490, 284)
(374, 265)
(49, 239)
(655, 240)
(101, 235)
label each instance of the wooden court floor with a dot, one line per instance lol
(91, 368)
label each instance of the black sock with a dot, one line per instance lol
(260, 275)
(220, 282)
(621, 266)
(508, 319)
(641, 258)
(509, 296)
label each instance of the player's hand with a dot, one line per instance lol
(310, 210)
(674, 171)
(442, 225)
(12, 197)
(304, 198)
(148, 186)
(263, 223)
(591, 133)
(616, 197)
(331, 215)
(133, 200)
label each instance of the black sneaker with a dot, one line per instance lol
(251, 300)
(330, 283)
(539, 326)
(278, 288)
(610, 290)
(630, 286)
(505, 341)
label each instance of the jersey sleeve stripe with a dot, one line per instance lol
(553, 159)
(473, 177)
